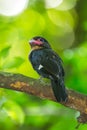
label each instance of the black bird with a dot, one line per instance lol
(49, 65)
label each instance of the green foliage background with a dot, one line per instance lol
(66, 30)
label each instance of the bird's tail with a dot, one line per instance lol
(59, 90)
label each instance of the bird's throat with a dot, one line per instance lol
(36, 48)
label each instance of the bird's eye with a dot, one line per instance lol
(41, 39)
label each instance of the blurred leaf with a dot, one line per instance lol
(14, 63)
(4, 52)
(14, 111)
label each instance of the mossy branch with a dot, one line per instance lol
(29, 85)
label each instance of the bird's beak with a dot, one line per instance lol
(35, 42)
(31, 41)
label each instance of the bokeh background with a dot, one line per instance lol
(64, 24)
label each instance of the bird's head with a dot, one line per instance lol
(40, 42)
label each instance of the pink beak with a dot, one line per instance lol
(36, 42)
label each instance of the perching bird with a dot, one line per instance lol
(49, 65)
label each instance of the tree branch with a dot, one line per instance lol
(32, 86)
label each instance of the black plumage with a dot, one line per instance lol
(49, 65)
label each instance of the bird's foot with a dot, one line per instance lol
(43, 81)
(40, 80)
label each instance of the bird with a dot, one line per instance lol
(48, 64)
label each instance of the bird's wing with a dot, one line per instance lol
(51, 65)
